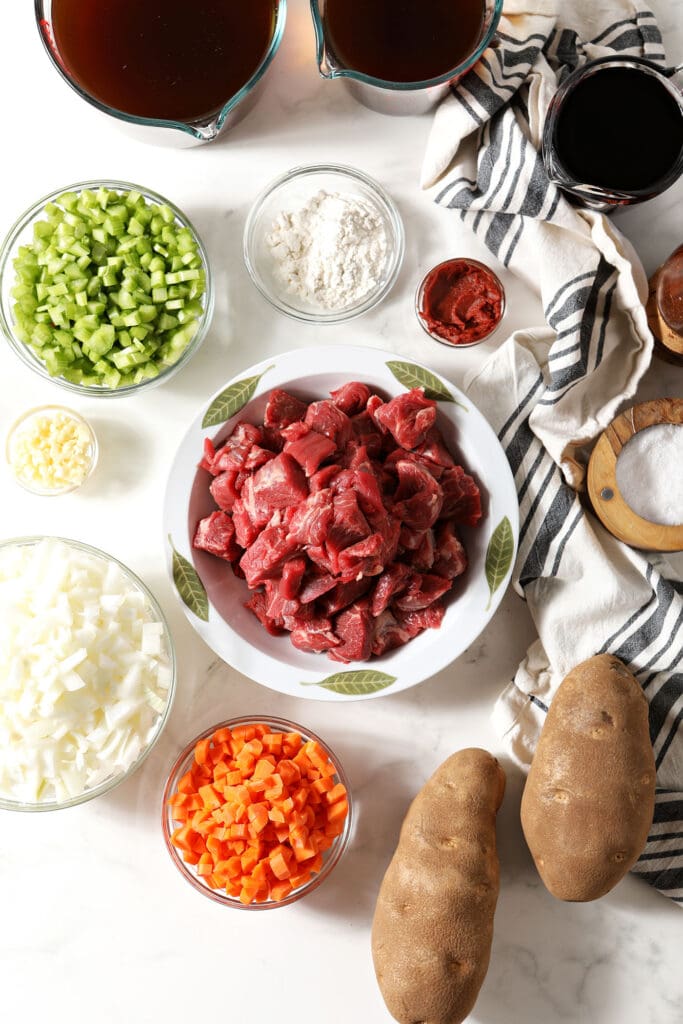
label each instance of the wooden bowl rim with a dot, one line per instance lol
(613, 510)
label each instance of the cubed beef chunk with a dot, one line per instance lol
(283, 409)
(216, 534)
(408, 418)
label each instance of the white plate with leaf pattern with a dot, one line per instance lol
(213, 597)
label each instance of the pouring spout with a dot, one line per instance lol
(205, 131)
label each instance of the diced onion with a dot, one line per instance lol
(84, 671)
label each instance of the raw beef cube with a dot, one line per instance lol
(312, 518)
(374, 403)
(225, 489)
(257, 605)
(317, 584)
(327, 419)
(283, 409)
(208, 455)
(344, 594)
(348, 526)
(351, 398)
(292, 575)
(246, 531)
(256, 458)
(421, 591)
(366, 433)
(319, 556)
(422, 558)
(266, 556)
(408, 418)
(294, 431)
(278, 606)
(315, 635)
(425, 618)
(310, 451)
(366, 558)
(434, 449)
(321, 480)
(392, 581)
(272, 439)
(451, 557)
(354, 629)
(388, 634)
(278, 484)
(419, 499)
(462, 500)
(216, 534)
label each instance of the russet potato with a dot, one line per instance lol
(433, 923)
(589, 798)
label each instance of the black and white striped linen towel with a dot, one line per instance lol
(551, 390)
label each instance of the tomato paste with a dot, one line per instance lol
(460, 302)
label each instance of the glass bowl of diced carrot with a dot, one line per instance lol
(256, 812)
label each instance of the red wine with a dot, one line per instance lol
(620, 129)
(403, 40)
(171, 59)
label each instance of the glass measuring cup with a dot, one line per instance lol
(400, 98)
(601, 196)
(203, 129)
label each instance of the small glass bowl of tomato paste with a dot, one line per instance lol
(256, 813)
(460, 302)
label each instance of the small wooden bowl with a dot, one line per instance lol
(668, 344)
(608, 502)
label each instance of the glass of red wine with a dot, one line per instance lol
(613, 134)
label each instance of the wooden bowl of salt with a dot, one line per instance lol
(635, 476)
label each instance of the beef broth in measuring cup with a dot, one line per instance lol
(614, 132)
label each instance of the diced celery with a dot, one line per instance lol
(109, 289)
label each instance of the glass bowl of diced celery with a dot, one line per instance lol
(105, 288)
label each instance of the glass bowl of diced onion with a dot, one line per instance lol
(151, 300)
(296, 878)
(88, 668)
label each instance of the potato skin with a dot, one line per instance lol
(433, 924)
(588, 801)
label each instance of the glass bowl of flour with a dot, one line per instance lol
(324, 243)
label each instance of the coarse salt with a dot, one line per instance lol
(650, 474)
(331, 251)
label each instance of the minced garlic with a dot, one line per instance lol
(51, 450)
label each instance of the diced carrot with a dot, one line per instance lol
(336, 793)
(222, 735)
(272, 742)
(338, 811)
(244, 733)
(258, 816)
(186, 783)
(201, 751)
(239, 831)
(211, 798)
(300, 798)
(280, 863)
(191, 858)
(323, 785)
(280, 890)
(291, 743)
(263, 768)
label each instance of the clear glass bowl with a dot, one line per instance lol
(203, 129)
(183, 763)
(291, 191)
(168, 650)
(22, 233)
(24, 421)
(419, 303)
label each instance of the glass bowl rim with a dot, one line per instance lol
(420, 292)
(336, 851)
(385, 203)
(8, 250)
(115, 780)
(55, 407)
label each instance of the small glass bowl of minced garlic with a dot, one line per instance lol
(51, 450)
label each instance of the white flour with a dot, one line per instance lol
(650, 474)
(330, 252)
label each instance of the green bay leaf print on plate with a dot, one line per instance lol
(356, 684)
(189, 585)
(499, 556)
(230, 401)
(413, 376)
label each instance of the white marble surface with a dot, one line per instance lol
(96, 923)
